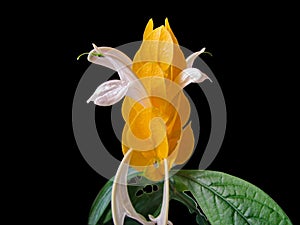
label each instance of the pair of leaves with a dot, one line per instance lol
(224, 199)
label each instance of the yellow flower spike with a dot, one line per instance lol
(155, 109)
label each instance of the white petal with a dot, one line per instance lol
(113, 59)
(162, 218)
(136, 90)
(191, 75)
(120, 202)
(109, 92)
(190, 60)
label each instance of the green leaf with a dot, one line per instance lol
(201, 220)
(100, 203)
(129, 221)
(100, 211)
(106, 216)
(226, 199)
(146, 198)
(189, 202)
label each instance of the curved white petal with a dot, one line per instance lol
(136, 90)
(113, 59)
(191, 75)
(190, 60)
(162, 218)
(120, 202)
(109, 93)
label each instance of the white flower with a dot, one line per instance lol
(113, 91)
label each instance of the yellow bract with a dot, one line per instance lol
(154, 131)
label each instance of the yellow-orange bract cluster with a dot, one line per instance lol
(154, 125)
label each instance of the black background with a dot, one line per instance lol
(252, 63)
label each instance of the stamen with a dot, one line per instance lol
(94, 54)
(209, 53)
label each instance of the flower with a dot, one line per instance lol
(156, 134)
(162, 69)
